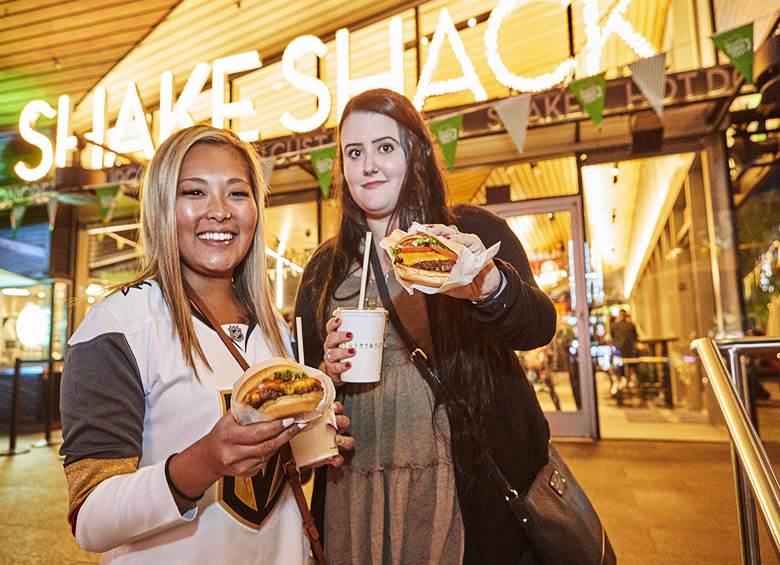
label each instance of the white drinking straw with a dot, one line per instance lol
(299, 333)
(363, 279)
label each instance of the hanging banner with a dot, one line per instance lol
(107, 197)
(267, 165)
(590, 94)
(51, 207)
(737, 44)
(649, 75)
(513, 112)
(447, 132)
(322, 162)
(17, 213)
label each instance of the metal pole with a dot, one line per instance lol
(746, 507)
(16, 385)
(752, 456)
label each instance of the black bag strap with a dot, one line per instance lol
(288, 461)
(424, 366)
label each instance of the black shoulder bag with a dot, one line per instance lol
(557, 519)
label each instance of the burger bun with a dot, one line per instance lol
(414, 275)
(287, 405)
(292, 405)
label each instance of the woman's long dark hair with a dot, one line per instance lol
(465, 365)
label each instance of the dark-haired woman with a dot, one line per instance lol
(415, 489)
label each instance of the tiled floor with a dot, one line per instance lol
(661, 502)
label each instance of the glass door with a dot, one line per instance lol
(551, 232)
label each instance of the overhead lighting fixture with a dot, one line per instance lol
(615, 173)
(15, 292)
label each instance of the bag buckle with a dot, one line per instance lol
(558, 483)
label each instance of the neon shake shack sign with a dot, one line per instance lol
(131, 132)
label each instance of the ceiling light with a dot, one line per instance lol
(16, 292)
(472, 22)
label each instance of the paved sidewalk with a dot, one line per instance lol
(661, 502)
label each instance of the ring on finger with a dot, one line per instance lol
(454, 227)
(327, 356)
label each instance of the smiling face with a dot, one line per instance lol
(374, 163)
(216, 213)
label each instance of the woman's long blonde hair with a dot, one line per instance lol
(160, 245)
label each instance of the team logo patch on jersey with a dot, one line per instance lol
(235, 333)
(250, 500)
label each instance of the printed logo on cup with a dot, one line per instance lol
(364, 345)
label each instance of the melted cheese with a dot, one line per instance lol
(413, 258)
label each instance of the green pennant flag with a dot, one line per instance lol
(51, 208)
(737, 44)
(17, 213)
(447, 132)
(590, 93)
(322, 162)
(106, 196)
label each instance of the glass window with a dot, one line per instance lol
(34, 322)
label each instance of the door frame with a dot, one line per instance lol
(584, 422)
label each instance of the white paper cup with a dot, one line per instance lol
(317, 441)
(368, 340)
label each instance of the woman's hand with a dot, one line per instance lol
(229, 449)
(343, 442)
(487, 280)
(336, 359)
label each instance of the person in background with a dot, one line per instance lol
(158, 470)
(416, 488)
(624, 339)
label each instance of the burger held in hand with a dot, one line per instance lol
(278, 389)
(423, 259)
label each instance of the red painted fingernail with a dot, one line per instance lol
(430, 225)
(338, 320)
(447, 237)
(348, 364)
(352, 350)
(349, 335)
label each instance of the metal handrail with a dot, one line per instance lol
(744, 438)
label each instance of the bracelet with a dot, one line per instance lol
(173, 487)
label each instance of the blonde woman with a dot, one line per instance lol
(158, 471)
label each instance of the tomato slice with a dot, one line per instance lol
(423, 248)
(447, 253)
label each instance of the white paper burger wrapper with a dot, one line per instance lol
(247, 415)
(466, 267)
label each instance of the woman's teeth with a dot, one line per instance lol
(216, 236)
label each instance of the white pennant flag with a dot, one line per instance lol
(513, 112)
(650, 76)
(267, 165)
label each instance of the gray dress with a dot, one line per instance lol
(395, 500)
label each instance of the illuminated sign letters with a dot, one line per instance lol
(131, 133)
